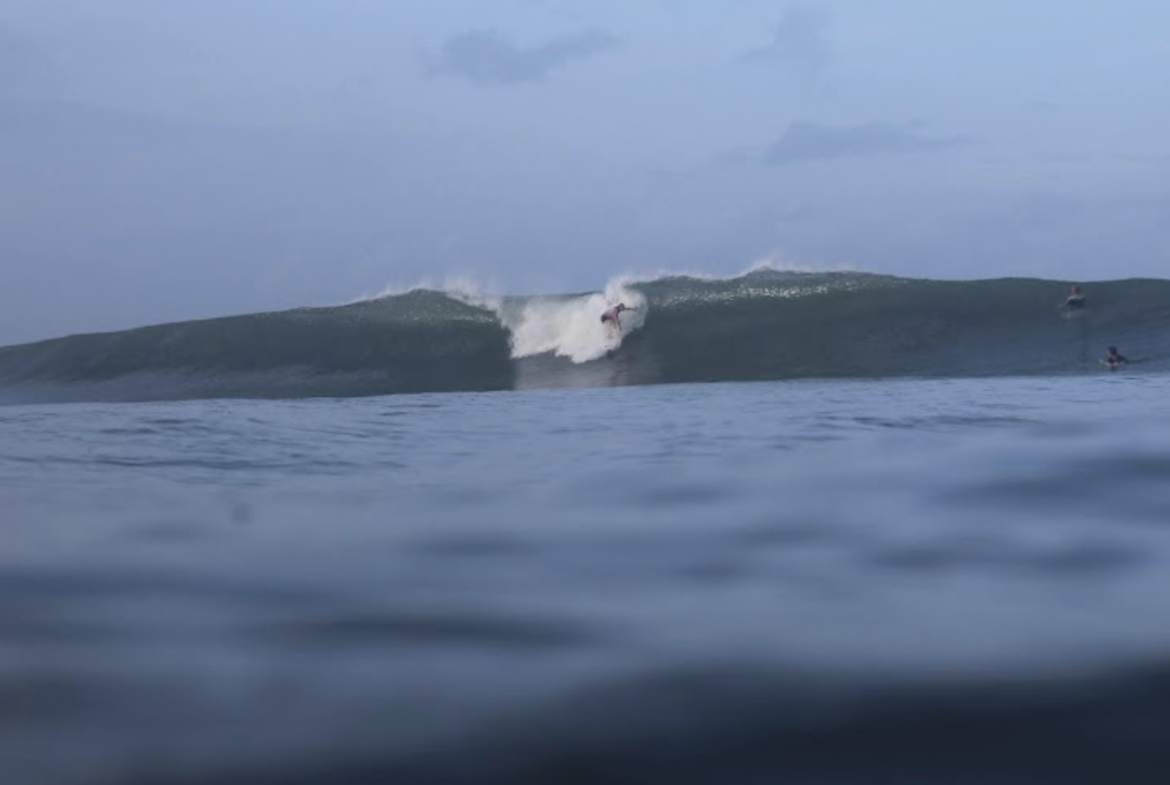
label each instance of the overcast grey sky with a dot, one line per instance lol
(164, 160)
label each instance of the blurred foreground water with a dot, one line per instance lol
(960, 581)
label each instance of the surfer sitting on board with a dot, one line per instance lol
(1115, 360)
(1075, 298)
(611, 315)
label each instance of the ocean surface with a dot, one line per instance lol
(891, 573)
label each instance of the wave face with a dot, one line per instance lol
(763, 325)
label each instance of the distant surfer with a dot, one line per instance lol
(613, 315)
(1075, 300)
(1115, 360)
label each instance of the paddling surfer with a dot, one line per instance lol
(1115, 360)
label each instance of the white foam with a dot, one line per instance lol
(571, 326)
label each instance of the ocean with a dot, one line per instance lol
(790, 527)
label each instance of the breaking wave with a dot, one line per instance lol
(763, 325)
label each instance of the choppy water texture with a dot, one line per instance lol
(765, 325)
(898, 581)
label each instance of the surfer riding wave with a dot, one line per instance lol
(613, 315)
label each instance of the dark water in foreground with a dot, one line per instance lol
(940, 581)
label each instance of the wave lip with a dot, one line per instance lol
(766, 324)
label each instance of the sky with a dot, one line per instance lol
(164, 161)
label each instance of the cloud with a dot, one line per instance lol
(808, 141)
(484, 57)
(800, 42)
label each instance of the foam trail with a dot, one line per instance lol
(571, 326)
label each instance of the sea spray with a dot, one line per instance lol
(571, 326)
